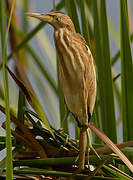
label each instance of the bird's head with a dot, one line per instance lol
(56, 19)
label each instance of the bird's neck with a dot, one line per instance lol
(71, 29)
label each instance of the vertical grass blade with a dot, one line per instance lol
(1, 93)
(109, 124)
(9, 164)
(98, 58)
(126, 73)
(117, 55)
(25, 9)
(106, 97)
(85, 29)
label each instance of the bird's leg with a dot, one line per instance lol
(82, 148)
(88, 147)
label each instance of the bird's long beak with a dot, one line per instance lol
(43, 17)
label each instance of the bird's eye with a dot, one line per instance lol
(56, 18)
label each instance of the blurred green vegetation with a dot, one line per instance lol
(39, 96)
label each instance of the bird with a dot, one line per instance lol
(77, 72)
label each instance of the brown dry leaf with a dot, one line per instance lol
(33, 101)
(111, 145)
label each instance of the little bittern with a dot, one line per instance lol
(77, 73)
